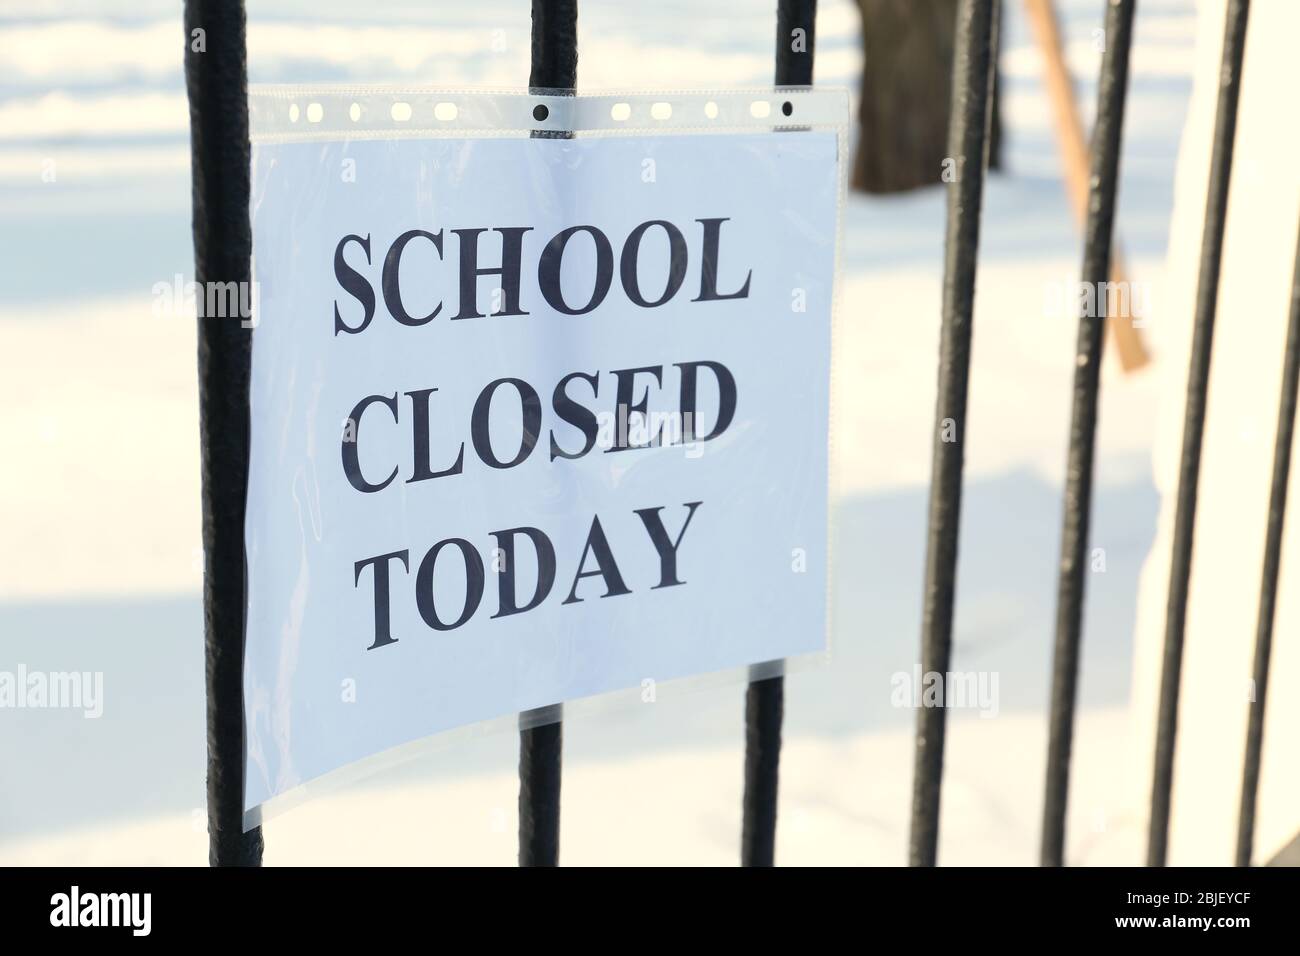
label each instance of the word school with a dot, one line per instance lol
(549, 271)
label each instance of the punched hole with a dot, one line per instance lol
(540, 112)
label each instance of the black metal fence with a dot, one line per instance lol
(217, 84)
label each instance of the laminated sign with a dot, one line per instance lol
(539, 405)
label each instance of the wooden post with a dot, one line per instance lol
(1129, 346)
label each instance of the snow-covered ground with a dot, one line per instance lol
(99, 502)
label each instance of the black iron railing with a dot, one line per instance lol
(217, 84)
(1189, 468)
(1083, 426)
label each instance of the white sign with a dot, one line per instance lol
(532, 420)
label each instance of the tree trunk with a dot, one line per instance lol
(907, 50)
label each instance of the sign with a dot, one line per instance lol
(532, 420)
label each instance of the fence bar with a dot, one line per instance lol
(967, 143)
(794, 49)
(764, 709)
(539, 794)
(796, 22)
(1104, 182)
(216, 78)
(1198, 377)
(554, 67)
(1272, 562)
(555, 45)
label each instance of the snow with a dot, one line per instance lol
(100, 499)
(843, 803)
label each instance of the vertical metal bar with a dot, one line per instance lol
(764, 709)
(554, 67)
(554, 45)
(796, 28)
(540, 749)
(967, 141)
(796, 23)
(1198, 378)
(1272, 562)
(216, 79)
(1104, 183)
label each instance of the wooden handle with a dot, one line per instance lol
(1132, 351)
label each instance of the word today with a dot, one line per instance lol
(596, 561)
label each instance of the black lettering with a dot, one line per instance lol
(473, 584)
(351, 458)
(355, 284)
(676, 263)
(709, 265)
(420, 434)
(666, 548)
(506, 575)
(383, 626)
(575, 414)
(392, 267)
(512, 252)
(726, 399)
(480, 428)
(548, 270)
(625, 407)
(605, 565)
